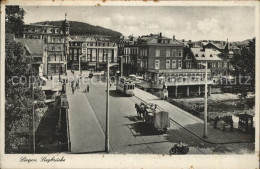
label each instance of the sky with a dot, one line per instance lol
(189, 23)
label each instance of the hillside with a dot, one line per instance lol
(243, 43)
(80, 28)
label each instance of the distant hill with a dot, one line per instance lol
(81, 28)
(242, 43)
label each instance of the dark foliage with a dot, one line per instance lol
(14, 20)
(244, 68)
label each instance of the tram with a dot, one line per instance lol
(125, 86)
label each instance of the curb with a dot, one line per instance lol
(207, 141)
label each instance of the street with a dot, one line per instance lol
(127, 133)
(130, 135)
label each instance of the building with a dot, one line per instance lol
(55, 40)
(35, 48)
(92, 51)
(151, 54)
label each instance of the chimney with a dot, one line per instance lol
(173, 37)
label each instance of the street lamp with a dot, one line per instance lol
(107, 112)
(107, 108)
(206, 100)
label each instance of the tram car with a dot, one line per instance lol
(125, 86)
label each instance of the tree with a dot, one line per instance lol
(243, 63)
(18, 97)
(14, 20)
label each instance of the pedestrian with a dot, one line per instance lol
(72, 89)
(77, 85)
(72, 82)
(88, 88)
(110, 84)
(216, 122)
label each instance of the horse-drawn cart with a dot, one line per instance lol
(150, 114)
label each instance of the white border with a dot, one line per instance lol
(134, 161)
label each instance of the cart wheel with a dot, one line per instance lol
(173, 150)
(185, 150)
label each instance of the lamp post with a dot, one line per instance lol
(107, 112)
(205, 134)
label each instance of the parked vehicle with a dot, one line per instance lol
(151, 115)
(180, 149)
(125, 86)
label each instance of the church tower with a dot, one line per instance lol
(66, 26)
(66, 32)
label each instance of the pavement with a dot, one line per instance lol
(194, 124)
(81, 116)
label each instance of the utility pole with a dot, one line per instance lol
(205, 134)
(107, 111)
(206, 102)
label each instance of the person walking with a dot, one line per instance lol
(88, 88)
(72, 89)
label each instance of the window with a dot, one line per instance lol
(100, 55)
(213, 64)
(168, 64)
(225, 64)
(174, 64)
(174, 53)
(157, 64)
(168, 53)
(109, 55)
(188, 65)
(105, 55)
(157, 52)
(179, 64)
(94, 54)
(180, 53)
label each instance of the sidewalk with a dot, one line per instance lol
(194, 124)
(86, 134)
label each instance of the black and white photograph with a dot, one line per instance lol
(129, 80)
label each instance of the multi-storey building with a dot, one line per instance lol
(56, 40)
(217, 55)
(152, 54)
(93, 52)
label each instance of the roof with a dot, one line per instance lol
(153, 39)
(208, 54)
(42, 25)
(34, 46)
